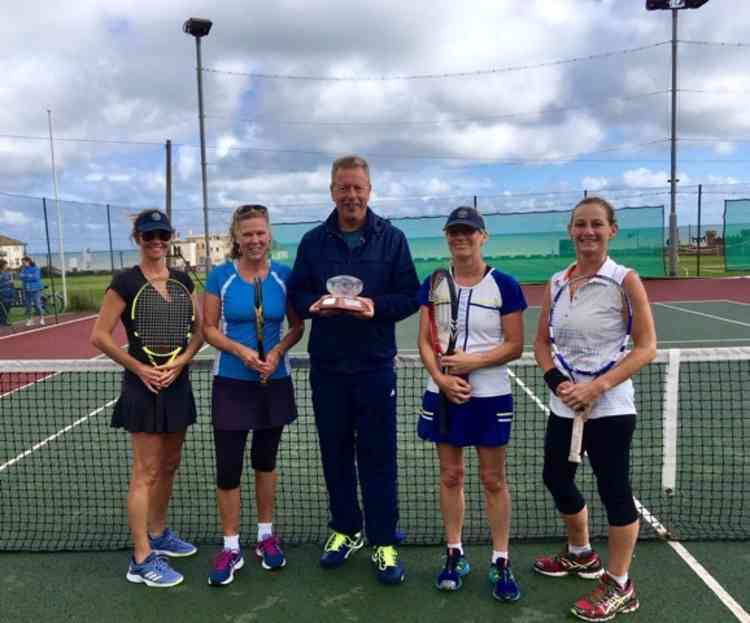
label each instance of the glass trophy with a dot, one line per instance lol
(343, 290)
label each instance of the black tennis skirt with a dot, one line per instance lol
(247, 405)
(136, 409)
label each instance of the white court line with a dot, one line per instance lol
(735, 608)
(697, 313)
(733, 302)
(46, 327)
(732, 605)
(59, 433)
(69, 427)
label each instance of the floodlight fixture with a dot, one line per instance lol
(197, 26)
(668, 5)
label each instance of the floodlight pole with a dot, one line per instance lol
(199, 28)
(674, 236)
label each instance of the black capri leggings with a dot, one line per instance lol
(230, 453)
(607, 442)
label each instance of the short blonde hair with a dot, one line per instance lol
(349, 162)
(244, 212)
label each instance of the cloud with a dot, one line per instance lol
(121, 71)
(11, 217)
(644, 178)
(594, 183)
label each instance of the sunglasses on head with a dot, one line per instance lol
(161, 234)
(250, 208)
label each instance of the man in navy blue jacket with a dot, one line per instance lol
(352, 371)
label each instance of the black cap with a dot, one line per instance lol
(151, 221)
(464, 215)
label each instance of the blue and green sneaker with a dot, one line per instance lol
(389, 567)
(504, 585)
(338, 548)
(456, 567)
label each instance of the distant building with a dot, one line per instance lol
(192, 248)
(12, 250)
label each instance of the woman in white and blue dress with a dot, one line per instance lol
(249, 394)
(490, 334)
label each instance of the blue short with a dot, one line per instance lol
(479, 422)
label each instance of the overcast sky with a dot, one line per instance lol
(524, 104)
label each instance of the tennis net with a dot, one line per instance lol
(64, 471)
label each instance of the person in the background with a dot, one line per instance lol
(31, 280)
(352, 371)
(7, 292)
(249, 394)
(480, 407)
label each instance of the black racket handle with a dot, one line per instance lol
(442, 414)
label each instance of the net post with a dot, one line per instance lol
(671, 414)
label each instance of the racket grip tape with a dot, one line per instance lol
(576, 439)
(442, 414)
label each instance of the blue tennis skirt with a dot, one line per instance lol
(479, 422)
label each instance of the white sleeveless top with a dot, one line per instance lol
(619, 400)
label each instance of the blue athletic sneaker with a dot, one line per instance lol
(269, 552)
(504, 585)
(169, 544)
(154, 571)
(339, 547)
(451, 576)
(389, 567)
(227, 561)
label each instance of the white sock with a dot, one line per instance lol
(579, 549)
(621, 580)
(497, 554)
(264, 529)
(457, 546)
(232, 542)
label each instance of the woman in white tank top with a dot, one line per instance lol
(607, 434)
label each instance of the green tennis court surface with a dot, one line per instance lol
(690, 476)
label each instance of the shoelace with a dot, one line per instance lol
(160, 564)
(335, 542)
(451, 560)
(270, 546)
(387, 556)
(602, 593)
(223, 559)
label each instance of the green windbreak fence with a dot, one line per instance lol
(737, 234)
(528, 245)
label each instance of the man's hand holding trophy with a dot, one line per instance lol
(343, 297)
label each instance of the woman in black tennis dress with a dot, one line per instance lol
(157, 428)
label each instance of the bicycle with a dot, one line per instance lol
(52, 304)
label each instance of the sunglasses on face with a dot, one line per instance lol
(161, 234)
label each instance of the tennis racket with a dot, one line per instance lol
(260, 327)
(443, 316)
(589, 335)
(163, 322)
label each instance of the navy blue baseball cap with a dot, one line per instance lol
(464, 215)
(152, 220)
